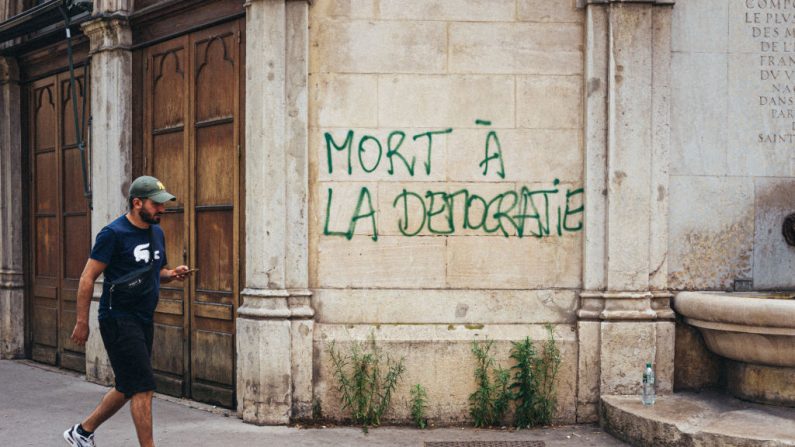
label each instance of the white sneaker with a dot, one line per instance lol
(75, 439)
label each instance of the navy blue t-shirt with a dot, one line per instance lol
(125, 248)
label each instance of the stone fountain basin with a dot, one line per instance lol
(756, 332)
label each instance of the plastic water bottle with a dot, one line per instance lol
(648, 385)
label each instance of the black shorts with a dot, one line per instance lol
(128, 342)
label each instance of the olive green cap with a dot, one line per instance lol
(146, 187)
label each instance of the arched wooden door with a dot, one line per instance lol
(192, 125)
(60, 219)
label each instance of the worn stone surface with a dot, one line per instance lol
(595, 136)
(450, 10)
(629, 166)
(508, 264)
(730, 128)
(588, 370)
(698, 145)
(702, 419)
(661, 142)
(563, 11)
(625, 350)
(454, 307)
(694, 19)
(392, 261)
(711, 248)
(436, 101)
(774, 259)
(358, 46)
(525, 48)
(696, 367)
(264, 385)
(12, 304)
(348, 100)
(664, 356)
(534, 111)
(760, 383)
(439, 358)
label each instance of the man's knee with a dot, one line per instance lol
(143, 396)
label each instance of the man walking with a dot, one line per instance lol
(131, 253)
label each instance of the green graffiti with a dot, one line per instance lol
(488, 156)
(403, 224)
(431, 195)
(365, 139)
(569, 212)
(394, 143)
(331, 143)
(430, 135)
(522, 213)
(393, 151)
(513, 213)
(364, 193)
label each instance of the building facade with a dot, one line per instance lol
(425, 172)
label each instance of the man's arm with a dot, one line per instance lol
(85, 290)
(179, 273)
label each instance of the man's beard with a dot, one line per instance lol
(149, 218)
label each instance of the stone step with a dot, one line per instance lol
(698, 419)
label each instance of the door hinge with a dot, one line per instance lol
(239, 152)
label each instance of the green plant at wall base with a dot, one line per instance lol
(487, 405)
(366, 380)
(523, 387)
(419, 401)
(546, 370)
(533, 386)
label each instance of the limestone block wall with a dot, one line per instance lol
(732, 144)
(446, 169)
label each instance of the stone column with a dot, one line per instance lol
(625, 319)
(274, 324)
(111, 150)
(12, 299)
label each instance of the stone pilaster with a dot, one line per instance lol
(102, 7)
(12, 300)
(625, 309)
(111, 149)
(274, 324)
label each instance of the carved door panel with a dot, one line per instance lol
(60, 219)
(192, 131)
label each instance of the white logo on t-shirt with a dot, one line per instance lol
(141, 253)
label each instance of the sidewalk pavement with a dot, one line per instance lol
(38, 403)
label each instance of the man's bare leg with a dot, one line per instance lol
(108, 406)
(141, 409)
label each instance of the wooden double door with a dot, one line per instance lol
(59, 218)
(192, 124)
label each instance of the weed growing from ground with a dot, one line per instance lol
(533, 385)
(366, 379)
(487, 405)
(419, 401)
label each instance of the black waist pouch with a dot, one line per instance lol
(129, 290)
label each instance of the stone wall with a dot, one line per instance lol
(733, 140)
(433, 125)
